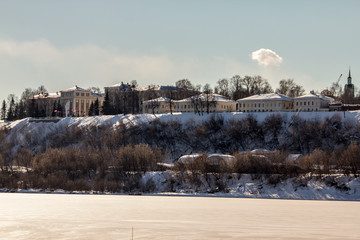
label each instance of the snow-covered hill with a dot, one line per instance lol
(180, 117)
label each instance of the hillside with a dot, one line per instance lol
(120, 154)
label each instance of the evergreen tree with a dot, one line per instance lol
(21, 110)
(59, 109)
(3, 111)
(91, 109)
(16, 111)
(107, 108)
(11, 110)
(54, 111)
(32, 108)
(37, 110)
(96, 107)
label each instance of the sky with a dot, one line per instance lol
(60, 44)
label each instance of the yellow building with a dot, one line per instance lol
(76, 101)
(272, 102)
(158, 105)
(205, 103)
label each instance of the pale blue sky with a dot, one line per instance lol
(60, 44)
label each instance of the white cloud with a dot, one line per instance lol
(266, 57)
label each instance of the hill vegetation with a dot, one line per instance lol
(114, 158)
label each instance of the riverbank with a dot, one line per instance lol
(336, 187)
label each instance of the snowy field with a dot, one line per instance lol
(54, 216)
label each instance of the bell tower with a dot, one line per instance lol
(349, 90)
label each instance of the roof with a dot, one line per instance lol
(97, 95)
(206, 97)
(76, 88)
(266, 97)
(160, 99)
(315, 96)
(46, 95)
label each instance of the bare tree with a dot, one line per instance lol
(95, 89)
(197, 103)
(154, 104)
(256, 85)
(222, 87)
(209, 99)
(289, 88)
(185, 84)
(236, 89)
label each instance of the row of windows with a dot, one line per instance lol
(306, 103)
(185, 106)
(87, 101)
(83, 94)
(266, 110)
(307, 110)
(261, 105)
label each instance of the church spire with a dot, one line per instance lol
(349, 77)
(349, 73)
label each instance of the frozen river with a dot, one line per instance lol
(54, 216)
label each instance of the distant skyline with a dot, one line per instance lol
(88, 43)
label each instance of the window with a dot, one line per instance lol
(312, 103)
(82, 94)
(304, 103)
(296, 105)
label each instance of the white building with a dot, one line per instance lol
(271, 102)
(312, 102)
(205, 103)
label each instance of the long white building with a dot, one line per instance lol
(271, 102)
(275, 102)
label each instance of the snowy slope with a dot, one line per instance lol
(181, 117)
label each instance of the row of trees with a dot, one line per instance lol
(240, 87)
(89, 169)
(17, 108)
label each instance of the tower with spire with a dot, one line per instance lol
(349, 89)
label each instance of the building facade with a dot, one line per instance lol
(312, 102)
(126, 98)
(205, 103)
(272, 102)
(76, 101)
(45, 103)
(158, 105)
